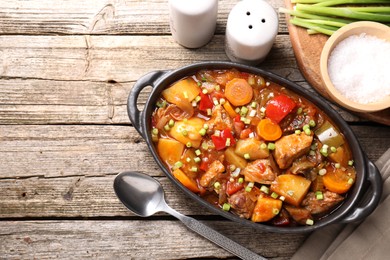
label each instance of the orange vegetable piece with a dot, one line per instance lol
(266, 208)
(268, 130)
(339, 181)
(293, 187)
(169, 150)
(186, 181)
(238, 92)
(229, 109)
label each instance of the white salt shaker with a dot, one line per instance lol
(193, 22)
(250, 31)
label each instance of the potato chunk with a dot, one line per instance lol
(266, 208)
(169, 150)
(188, 131)
(290, 147)
(251, 146)
(293, 187)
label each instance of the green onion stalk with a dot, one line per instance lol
(326, 16)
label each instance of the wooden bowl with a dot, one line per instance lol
(369, 28)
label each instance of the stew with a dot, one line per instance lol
(252, 147)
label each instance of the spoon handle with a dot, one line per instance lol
(215, 237)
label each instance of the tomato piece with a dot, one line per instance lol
(233, 186)
(205, 102)
(245, 133)
(204, 165)
(279, 107)
(221, 140)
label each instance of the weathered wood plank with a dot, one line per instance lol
(82, 79)
(103, 17)
(117, 58)
(68, 171)
(133, 240)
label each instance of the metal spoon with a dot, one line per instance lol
(144, 196)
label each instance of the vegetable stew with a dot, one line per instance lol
(252, 147)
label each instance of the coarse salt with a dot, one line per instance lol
(359, 68)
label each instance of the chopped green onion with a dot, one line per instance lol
(197, 98)
(271, 146)
(306, 127)
(198, 152)
(350, 163)
(194, 169)
(240, 180)
(226, 207)
(275, 211)
(222, 101)
(185, 94)
(244, 111)
(319, 195)
(189, 144)
(197, 159)
(199, 83)
(209, 112)
(264, 189)
(237, 110)
(171, 123)
(227, 143)
(202, 132)
(337, 165)
(298, 132)
(307, 131)
(290, 192)
(309, 222)
(247, 156)
(312, 123)
(274, 195)
(206, 126)
(253, 104)
(184, 132)
(282, 198)
(215, 101)
(205, 146)
(166, 127)
(333, 149)
(204, 91)
(262, 109)
(322, 172)
(312, 153)
(263, 146)
(188, 159)
(217, 185)
(154, 131)
(350, 181)
(248, 189)
(232, 167)
(299, 111)
(178, 164)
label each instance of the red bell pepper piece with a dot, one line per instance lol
(205, 102)
(279, 107)
(233, 186)
(220, 141)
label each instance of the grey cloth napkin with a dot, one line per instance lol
(369, 239)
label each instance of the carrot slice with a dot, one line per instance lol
(185, 180)
(339, 181)
(238, 92)
(229, 109)
(268, 130)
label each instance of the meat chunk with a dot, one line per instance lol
(220, 119)
(300, 215)
(243, 204)
(318, 206)
(215, 168)
(290, 147)
(259, 171)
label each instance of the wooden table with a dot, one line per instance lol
(66, 70)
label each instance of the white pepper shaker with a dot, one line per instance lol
(250, 31)
(193, 22)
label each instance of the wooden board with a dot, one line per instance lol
(307, 49)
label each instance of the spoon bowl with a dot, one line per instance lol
(144, 196)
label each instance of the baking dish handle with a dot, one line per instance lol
(132, 109)
(372, 197)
